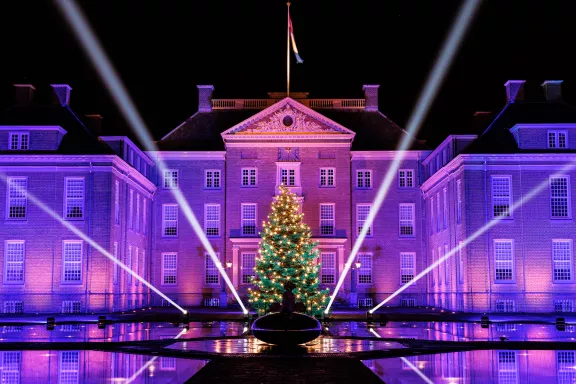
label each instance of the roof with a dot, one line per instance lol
(374, 131)
(497, 138)
(78, 139)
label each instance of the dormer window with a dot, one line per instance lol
(558, 139)
(19, 141)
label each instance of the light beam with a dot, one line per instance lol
(92, 48)
(408, 363)
(433, 83)
(87, 239)
(535, 191)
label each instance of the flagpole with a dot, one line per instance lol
(288, 52)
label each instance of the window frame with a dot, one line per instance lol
(212, 178)
(19, 135)
(568, 197)
(571, 261)
(116, 202)
(408, 176)
(495, 198)
(323, 268)
(137, 213)
(513, 261)
(249, 177)
(219, 219)
(164, 269)
(326, 177)
(6, 262)
(333, 205)
(413, 209)
(243, 267)
(9, 182)
(205, 279)
(363, 177)
(243, 219)
(370, 232)
(412, 255)
(67, 371)
(80, 263)
(70, 178)
(459, 201)
(445, 208)
(556, 133)
(164, 226)
(174, 182)
(370, 256)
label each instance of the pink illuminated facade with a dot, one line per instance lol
(228, 160)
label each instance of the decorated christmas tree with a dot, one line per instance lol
(286, 254)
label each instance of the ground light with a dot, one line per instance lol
(151, 361)
(92, 48)
(87, 239)
(539, 188)
(408, 363)
(433, 83)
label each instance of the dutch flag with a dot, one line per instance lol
(298, 58)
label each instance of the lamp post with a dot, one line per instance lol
(223, 293)
(353, 293)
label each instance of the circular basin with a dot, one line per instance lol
(280, 329)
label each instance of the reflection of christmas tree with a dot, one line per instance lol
(287, 254)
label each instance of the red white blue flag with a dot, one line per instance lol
(298, 58)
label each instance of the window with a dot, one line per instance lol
(407, 267)
(288, 177)
(10, 368)
(70, 306)
(138, 212)
(72, 262)
(501, 196)
(248, 265)
(444, 157)
(170, 179)
(19, 141)
(507, 368)
(328, 268)
(406, 214)
(562, 260)
(445, 206)
(168, 363)
(116, 202)
(212, 219)
(408, 303)
(563, 305)
(69, 367)
(441, 270)
(438, 212)
(327, 178)
(365, 270)
(458, 201)
(432, 219)
(565, 367)
(460, 265)
(136, 264)
(560, 197)
(14, 262)
(143, 264)
(169, 266)
(363, 178)
(13, 306)
(74, 198)
(447, 266)
(248, 219)
(17, 197)
(504, 260)
(144, 216)
(169, 220)
(558, 139)
(131, 210)
(327, 219)
(129, 265)
(211, 276)
(115, 268)
(433, 274)
(362, 212)
(249, 178)
(406, 178)
(212, 179)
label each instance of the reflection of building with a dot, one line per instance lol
(229, 158)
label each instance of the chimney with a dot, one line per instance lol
(371, 97)
(205, 98)
(552, 90)
(514, 90)
(94, 124)
(24, 93)
(61, 94)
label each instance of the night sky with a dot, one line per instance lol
(163, 49)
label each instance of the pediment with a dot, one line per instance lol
(287, 117)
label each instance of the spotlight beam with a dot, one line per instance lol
(433, 83)
(408, 363)
(150, 362)
(535, 191)
(92, 48)
(87, 239)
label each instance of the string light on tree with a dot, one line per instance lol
(287, 254)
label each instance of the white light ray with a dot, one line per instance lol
(150, 362)
(425, 100)
(408, 363)
(87, 239)
(105, 69)
(539, 188)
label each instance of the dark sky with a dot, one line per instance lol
(162, 49)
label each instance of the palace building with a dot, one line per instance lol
(504, 194)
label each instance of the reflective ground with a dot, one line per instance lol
(81, 365)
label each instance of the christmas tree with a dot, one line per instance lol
(286, 254)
